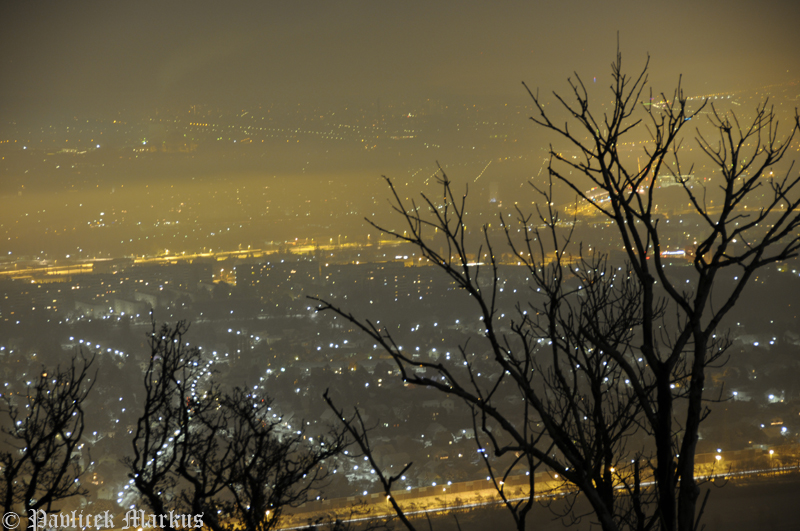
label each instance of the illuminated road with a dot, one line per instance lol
(51, 271)
(47, 271)
(466, 495)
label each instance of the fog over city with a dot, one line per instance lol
(251, 189)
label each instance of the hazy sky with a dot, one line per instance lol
(78, 56)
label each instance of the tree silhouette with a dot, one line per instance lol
(609, 359)
(227, 456)
(160, 440)
(45, 425)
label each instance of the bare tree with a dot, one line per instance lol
(609, 360)
(41, 464)
(230, 456)
(267, 464)
(745, 156)
(159, 443)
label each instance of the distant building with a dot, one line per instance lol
(493, 193)
(665, 181)
(129, 307)
(92, 308)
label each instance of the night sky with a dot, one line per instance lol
(83, 57)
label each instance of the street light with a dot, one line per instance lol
(770, 460)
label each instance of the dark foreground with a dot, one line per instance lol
(762, 504)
